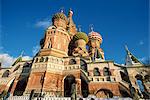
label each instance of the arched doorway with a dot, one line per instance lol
(96, 72)
(104, 93)
(84, 87)
(69, 85)
(20, 87)
(23, 79)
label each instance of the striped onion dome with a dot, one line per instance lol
(95, 35)
(81, 35)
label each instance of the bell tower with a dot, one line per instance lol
(56, 37)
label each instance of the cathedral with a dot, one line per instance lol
(72, 64)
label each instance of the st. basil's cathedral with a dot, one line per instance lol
(71, 64)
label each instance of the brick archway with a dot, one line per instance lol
(104, 93)
(69, 82)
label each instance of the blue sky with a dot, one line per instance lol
(120, 22)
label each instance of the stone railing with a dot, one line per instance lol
(70, 67)
(102, 78)
(63, 98)
(45, 98)
(19, 98)
(105, 99)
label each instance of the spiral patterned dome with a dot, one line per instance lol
(95, 35)
(81, 35)
(60, 15)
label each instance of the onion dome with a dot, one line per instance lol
(95, 35)
(60, 15)
(81, 35)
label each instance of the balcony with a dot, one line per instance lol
(70, 67)
(102, 78)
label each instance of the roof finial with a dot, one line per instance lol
(22, 53)
(126, 47)
(91, 27)
(70, 9)
(62, 9)
(70, 13)
(79, 28)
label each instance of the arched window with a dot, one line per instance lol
(42, 59)
(72, 61)
(36, 60)
(6, 73)
(106, 71)
(147, 78)
(124, 76)
(96, 72)
(46, 59)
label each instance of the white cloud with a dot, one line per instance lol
(6, 60)
(35, 49)
(141, 42)
(43, 23)
(26, 58)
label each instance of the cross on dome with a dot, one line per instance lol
(91, 27)
(62, 9)
(79, 28)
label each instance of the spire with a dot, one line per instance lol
(19, 59)
(131, 60)
(70, 13)
(62, 9)
(79, 28)
(91, 27)
(21, 53)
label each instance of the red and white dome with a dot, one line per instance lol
(95, 35)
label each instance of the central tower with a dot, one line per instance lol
(56, 39)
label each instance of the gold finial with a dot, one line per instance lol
(62, 9)
(22, 53)
(70, 13)
(70, 9)
(126, 48)
(91, 27)
(79, 28)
